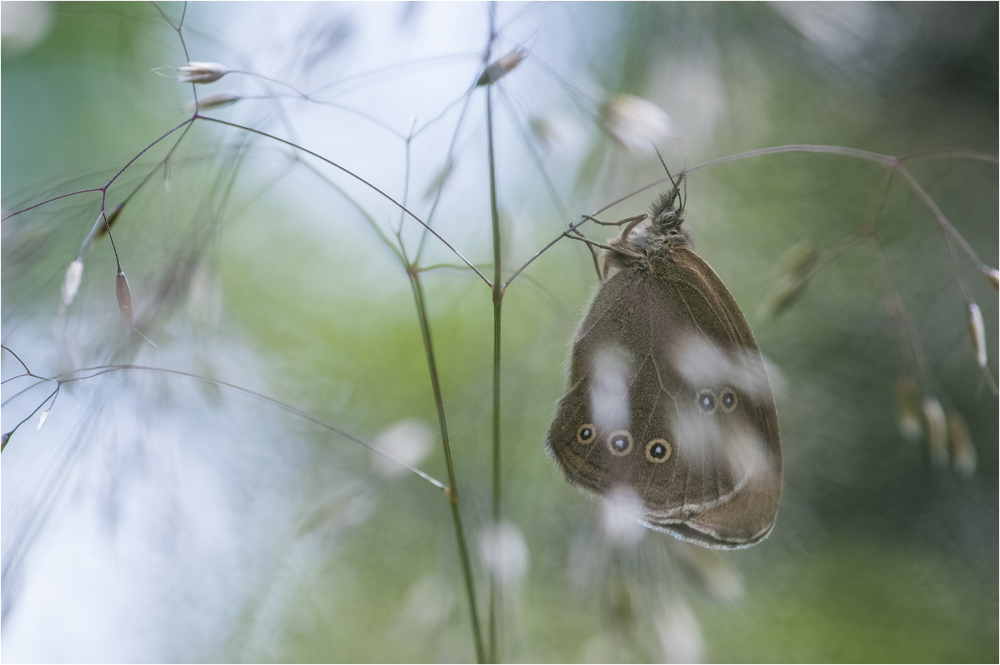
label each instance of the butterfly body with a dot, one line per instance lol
(668, 396)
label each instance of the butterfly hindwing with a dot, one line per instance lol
(655, 341)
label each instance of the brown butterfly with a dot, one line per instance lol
(668, 396)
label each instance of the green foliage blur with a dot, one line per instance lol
(249, 267)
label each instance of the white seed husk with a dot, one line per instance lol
(502, 66)
(963, 454)
(993, 276)
(976, 331)
(909, 408)
(213, 102)
(937, 431)
(637, 123)
(201, 72)
(71, 284)
(124, 298)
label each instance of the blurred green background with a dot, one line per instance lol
(156, 518)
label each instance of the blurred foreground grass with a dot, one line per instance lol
(213, 528)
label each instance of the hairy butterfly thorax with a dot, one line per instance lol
(668, 396)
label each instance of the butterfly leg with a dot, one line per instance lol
(628, 220)
(593, 252)
(632, 222)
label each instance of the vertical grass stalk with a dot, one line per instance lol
(498, 291)
(463, 550)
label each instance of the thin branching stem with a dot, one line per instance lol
(7, 435)
(888, 160)
(104, 189)
(101, 370)
(358, 178)
(939, 216)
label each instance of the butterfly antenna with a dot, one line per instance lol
(674, 183)
(683, 176)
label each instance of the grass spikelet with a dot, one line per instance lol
(963, 454)
(797, 263)
(124, 298)
(71, 283)
(502, 66)
(201, 72)
(213, 102)
(908, 406)
(993, 276)
(976, 332)
(102, 229)
(638, 124)
(937, 431)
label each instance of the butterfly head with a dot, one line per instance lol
(667, 211)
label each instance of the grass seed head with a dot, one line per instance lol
(212, 102)
(976, 332)
(42, 418)
(993, 276)
(963, 454)
(937, 431)
(71, 283)
(124, 299)
(502, 66)
(201, 72)
(909, 407)
(102, 230)
(637, 123)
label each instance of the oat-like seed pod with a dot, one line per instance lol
(124, 298)
(43, 417)
(796, 264)
(635, 122)
(963, 454)
(977, 333)
(937, 431)
(110, 220)
(993, 276)
(213, 102)
(502, 66)
(784, 294)
(800, 259)
(71, 284)
(201, 72)
(908, 405)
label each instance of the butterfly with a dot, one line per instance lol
(668, 396)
